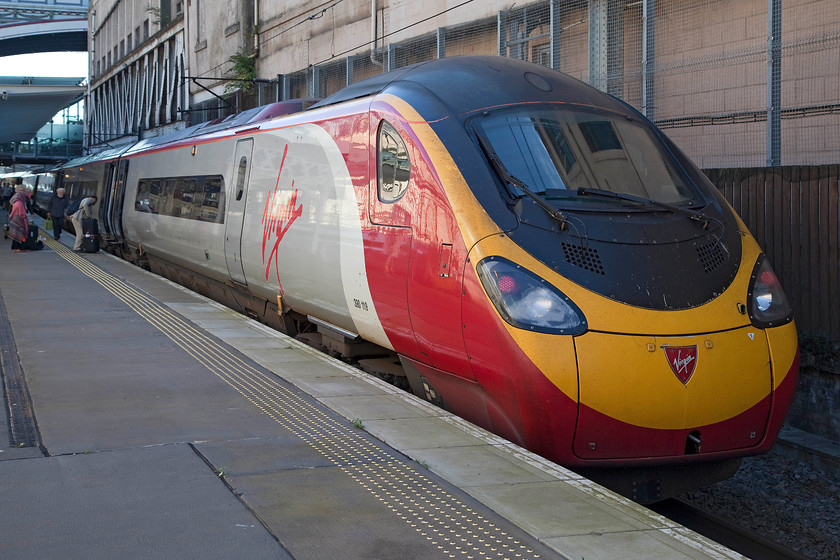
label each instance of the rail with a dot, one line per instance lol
(730, 535)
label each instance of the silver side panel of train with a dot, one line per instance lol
(291, 223)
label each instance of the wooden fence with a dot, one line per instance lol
(793, 213)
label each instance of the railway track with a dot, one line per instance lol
(731, 535)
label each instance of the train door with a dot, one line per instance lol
(390, 230)
(107, 201)
(235, 215)
(417, 234)
(111, 209)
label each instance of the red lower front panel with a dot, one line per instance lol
(604, 439)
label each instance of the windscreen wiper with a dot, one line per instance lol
(693, 214)
(510, 179)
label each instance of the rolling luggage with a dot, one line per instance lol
(32, 242)
(90, 235)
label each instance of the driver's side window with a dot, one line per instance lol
(393, 165)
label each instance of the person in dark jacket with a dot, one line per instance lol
(7, 192)
(58, 204)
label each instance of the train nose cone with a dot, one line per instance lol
(679, 395)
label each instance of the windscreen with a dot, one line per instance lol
(555, 152)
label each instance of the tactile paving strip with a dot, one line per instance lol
(447, 522)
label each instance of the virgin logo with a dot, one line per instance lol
(281, 211)
(682, 360)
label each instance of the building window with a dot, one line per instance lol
(199, 26)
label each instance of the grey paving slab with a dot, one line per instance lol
(373, 407)
(478, 465)
(222, 324)
(420, 433)
(651, 545)
(20, 453)
(80, 506)
(326, 514)
(308, 378)
(246, 457)
(556, 509)
(270, 353)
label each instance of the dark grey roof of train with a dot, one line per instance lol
(468, 83)
(367, 87)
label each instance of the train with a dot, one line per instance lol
(41, 185)
(503, 240)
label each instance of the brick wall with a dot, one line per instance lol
(816, 404)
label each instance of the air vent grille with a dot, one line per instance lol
(712, 255)
(583, 257)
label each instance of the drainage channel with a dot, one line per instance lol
(23, 429)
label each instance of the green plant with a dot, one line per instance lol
(358, 423)
(243, 70)
(222, 472)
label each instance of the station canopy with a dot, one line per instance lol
(26, 104)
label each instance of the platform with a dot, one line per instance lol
(148, 421)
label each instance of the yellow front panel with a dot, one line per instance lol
(629, 378)
(784, 345)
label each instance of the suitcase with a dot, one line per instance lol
(90, 235)
(32, 243)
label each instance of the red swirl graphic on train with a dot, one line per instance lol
(281, 211)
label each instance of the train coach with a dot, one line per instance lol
(42, 186)
(510, 243)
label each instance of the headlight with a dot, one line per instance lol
(768, 305)
(526, 301)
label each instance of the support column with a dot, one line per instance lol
(606, 46)
(598, 44)
(500, 33)
(555, 33)
(391, 57)
(774, 82)
(648, 58)
(287, 87)
(315, 82)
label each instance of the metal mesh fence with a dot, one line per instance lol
(735, 83)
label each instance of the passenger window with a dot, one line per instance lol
(394, 167)
(199, 197)
(240, 177)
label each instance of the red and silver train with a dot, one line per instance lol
(516, 246)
